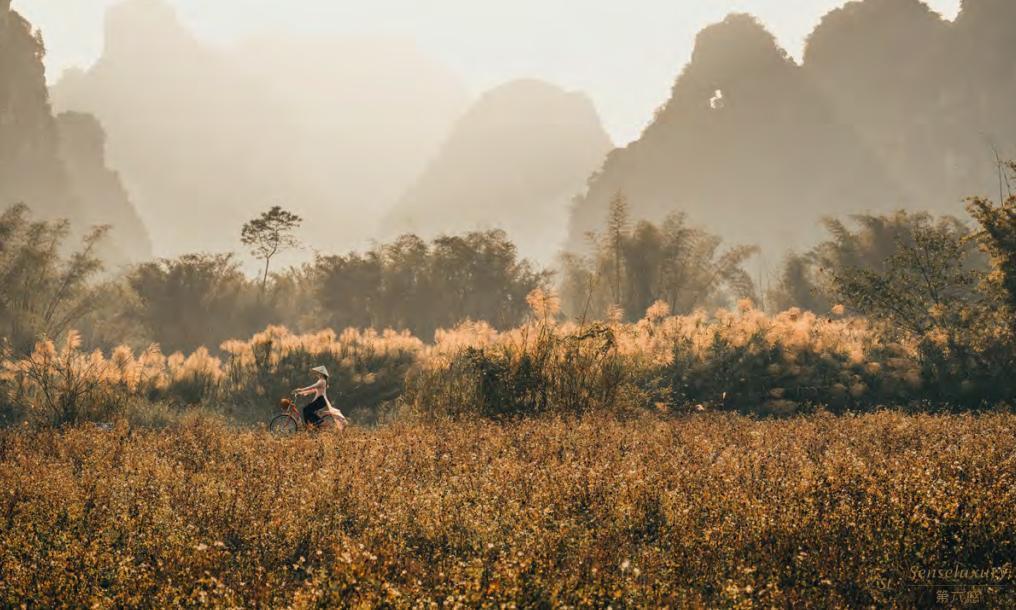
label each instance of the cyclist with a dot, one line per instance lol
(312, 413)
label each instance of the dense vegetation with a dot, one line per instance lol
(635, 264)
(706, 511)
(48, 287)
(923, 319)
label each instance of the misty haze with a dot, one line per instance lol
(535, 303)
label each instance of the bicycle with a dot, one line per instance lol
(291, 421)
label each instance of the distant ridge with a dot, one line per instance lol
(892, 107)
(514, 161)
(747, 145)
(56, 165)
(205, 138)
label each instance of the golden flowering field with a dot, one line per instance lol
(709, 510)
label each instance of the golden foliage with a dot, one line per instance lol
(741, 358)
(268, 365)
(731, 358)
(703, 511)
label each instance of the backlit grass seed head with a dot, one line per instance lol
(545, 305)
(658, 311)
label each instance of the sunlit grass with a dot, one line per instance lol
(742, 359)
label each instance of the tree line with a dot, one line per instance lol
(913, 273)
(48, 287)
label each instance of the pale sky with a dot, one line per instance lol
(625, 54)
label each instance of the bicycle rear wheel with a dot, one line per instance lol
(283, 425)
(330, 423)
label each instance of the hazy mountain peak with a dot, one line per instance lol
(56, 166)
(747, 144)
(862, 22)
(736, 42)
(991, 23)
(893, 106)
(526, 90)
(513, 161)
(143, 24)
(734, 60)
(523, 101)
(205, 138)
(969, 8)
(99, 189)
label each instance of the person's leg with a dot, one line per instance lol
(310, 412)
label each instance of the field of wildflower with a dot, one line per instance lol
(729, 459)
(704, 510)
(732, 459)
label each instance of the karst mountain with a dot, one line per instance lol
(207, 137)
(56, 165)
(892, 107)
(514, 162)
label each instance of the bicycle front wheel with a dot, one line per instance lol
(283, 425)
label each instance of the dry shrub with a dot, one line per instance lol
(532, 370)
(741, 359)
(368, 368)
(68, 385)
(65, 385)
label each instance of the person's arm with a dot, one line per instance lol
(307, 390)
